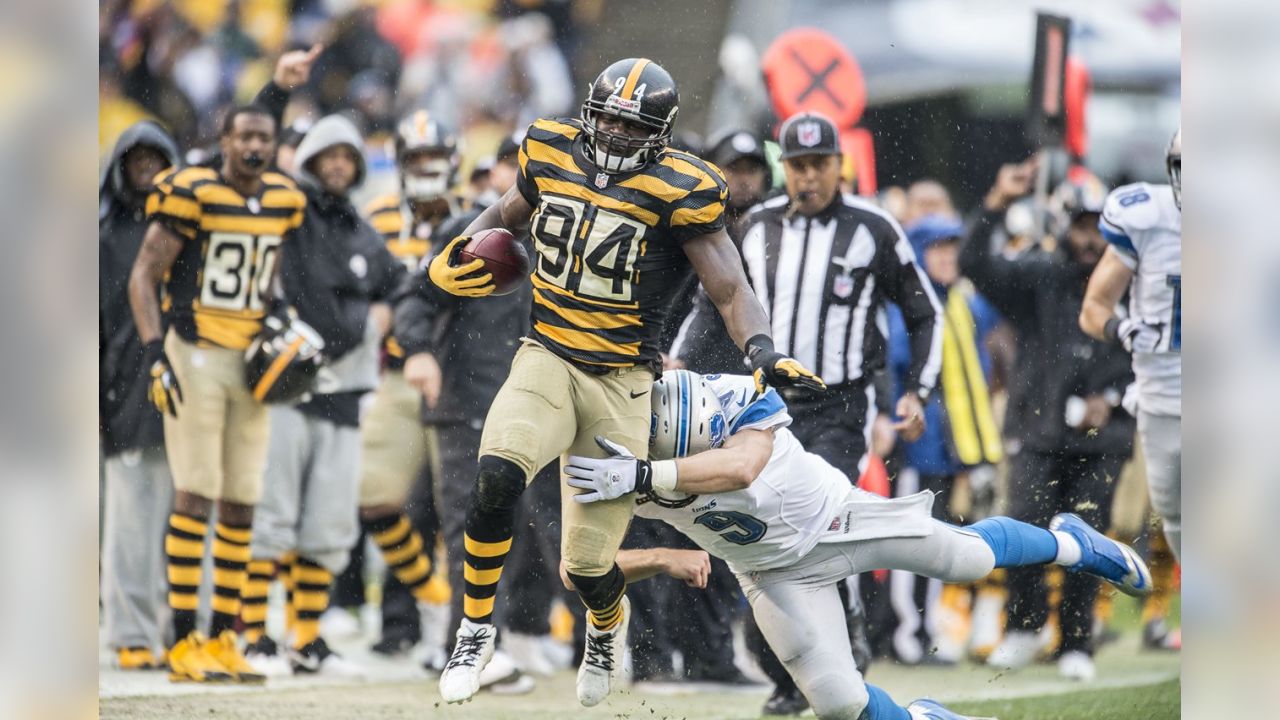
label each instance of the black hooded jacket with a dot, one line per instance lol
(1040, 295)
(126, 419)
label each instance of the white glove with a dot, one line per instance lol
(608, 478)
(1137, 336)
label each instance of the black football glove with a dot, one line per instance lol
(164, 391)
(770, 367)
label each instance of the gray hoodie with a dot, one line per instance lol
(331, 130)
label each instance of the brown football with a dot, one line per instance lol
(504, 257)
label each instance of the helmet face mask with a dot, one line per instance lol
(427, 154)
(1173, 165)
(636, 92)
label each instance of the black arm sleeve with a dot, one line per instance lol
(1008, 284)
(906, 284)
(274, 98)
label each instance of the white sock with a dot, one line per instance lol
(1068, 549)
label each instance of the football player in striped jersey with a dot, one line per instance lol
(616, 218)
(214, 242)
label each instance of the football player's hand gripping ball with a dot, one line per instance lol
(608, 478)
(772, 368)
(164, 391)
(459, 280)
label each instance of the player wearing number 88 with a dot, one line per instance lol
(214, 239)
(791, 526)
(616, 219)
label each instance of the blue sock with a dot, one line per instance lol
(882, 707)
(1016, 543)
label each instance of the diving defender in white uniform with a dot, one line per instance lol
(727, 472)
(1143, 225)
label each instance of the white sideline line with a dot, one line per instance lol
(1045, 688)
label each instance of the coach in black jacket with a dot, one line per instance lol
(138, 488)
(1068, 436)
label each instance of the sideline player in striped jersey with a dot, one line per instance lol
(725, 470)
(394, 440)
(1143, 225)
(616, 218)
(214, 241)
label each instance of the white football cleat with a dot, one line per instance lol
(340, 623)
(602, 661)
(527, 652)
(1077, 665)
(266, 657)
(1018, 649)
(472, 651)
(503, 677)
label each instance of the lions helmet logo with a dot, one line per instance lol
(717, 430)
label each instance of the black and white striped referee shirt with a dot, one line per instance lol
(824, 279)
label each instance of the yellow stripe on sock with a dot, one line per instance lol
(188, 524)
(255, 588)
(471, 607)
(311, 575)
(405, 552)
(179, 547)
(305, 632)
(227, 578)
(313, 601)
(413, 575)
(486, 549)
(393, 535)
(239, 536)
(229, 551)
(185, 575)
(480, 577)
(225, 605)
(184, 601)
(253, 612)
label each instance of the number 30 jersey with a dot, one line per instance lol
(609, 258)
(781, 516)
(217, 291)
(1144, 226)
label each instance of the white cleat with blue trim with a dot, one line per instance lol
(926, 709)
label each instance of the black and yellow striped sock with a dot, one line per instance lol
(184, 549)
(402, 548)
(230, 558)
(284, 571)
(310, 599)
(481, 570)
(253, 598)
(491, 514)
(1162, 565)
(602, 597)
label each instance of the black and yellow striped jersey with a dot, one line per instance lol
(609, 256)
(392, 219)
(217, 291)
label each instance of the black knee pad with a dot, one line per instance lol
(599, 592)
(498, 484)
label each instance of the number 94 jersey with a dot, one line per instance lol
(218, 288)
(781, 516)
(1144, 226)
(609, 257)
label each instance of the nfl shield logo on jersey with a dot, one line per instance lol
(843, 286)
(808, 134)
(254, 205)
(602, 179)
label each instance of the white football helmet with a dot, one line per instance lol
(686, 418)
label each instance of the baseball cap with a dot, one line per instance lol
(931, 230)
(735, 145)
(808, 133)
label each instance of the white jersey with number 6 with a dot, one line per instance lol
(1144, 225)
(797, 501)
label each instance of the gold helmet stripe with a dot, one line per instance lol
(273, 371)
(633, 77)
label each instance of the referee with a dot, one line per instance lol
(823, 264)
